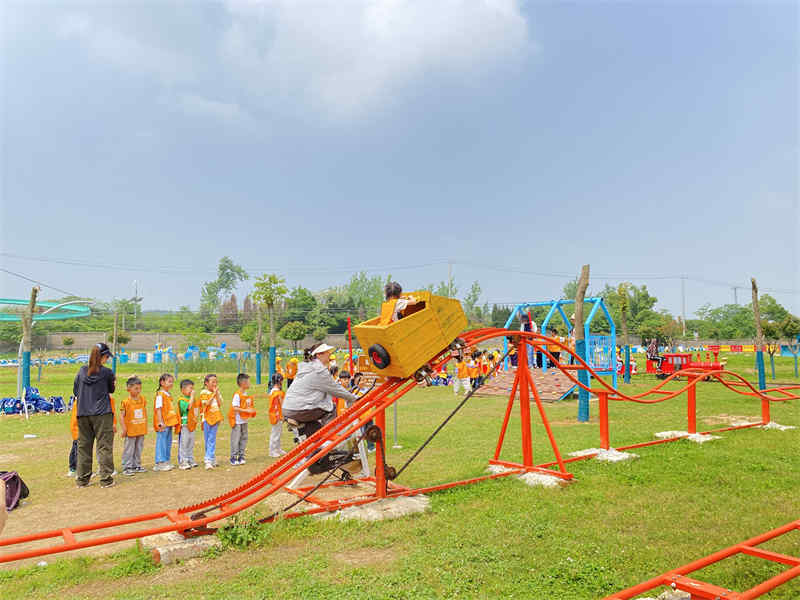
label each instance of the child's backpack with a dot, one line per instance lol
(12, 406)
(58, 404)
(43, 405)
(16, 489)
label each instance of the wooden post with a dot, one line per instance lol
(580, 344)
(27, 339)
(762, 379)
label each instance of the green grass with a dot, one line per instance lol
(616, 525)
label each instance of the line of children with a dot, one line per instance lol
(181, 417)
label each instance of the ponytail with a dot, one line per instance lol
(307, 356)
(95, 360)
(164, 377)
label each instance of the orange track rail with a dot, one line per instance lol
(195, 519)
(678, 578)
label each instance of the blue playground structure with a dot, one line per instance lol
(599, 350)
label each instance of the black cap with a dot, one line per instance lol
(104, 350)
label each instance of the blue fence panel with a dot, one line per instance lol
(600, 351)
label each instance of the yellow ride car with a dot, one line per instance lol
(401, 348)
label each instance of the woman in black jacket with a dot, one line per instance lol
(92, 389)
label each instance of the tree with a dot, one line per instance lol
(299, 304)
(123, 337)
(198, 337)
(772, 341)
(229, 313)
(67, 341)
(445, 288)
(319, 333)
(790, 327)
(229, 274)
(570, 290)
(269, 292)
(470, 302)
(365, 294)
(248, 333)
(293, 331)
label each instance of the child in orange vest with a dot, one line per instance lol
(165, 418)
(189, 409)
(474, 369)
(276, 396)
(344, 381)
(393, 308)
(462, 376)
(242, 409)
(291, 371)
(133, 413)
(211, 400)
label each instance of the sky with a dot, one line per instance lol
(142, 141)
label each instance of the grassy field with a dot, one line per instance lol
(614, 526)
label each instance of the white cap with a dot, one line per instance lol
(321, 348)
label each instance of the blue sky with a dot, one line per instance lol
(145, 140)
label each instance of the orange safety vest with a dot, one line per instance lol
(462, 372)
(211, 410)
(275, 403)
(472, 368)
(168, 412)
(387, 311)
(135, 416)
(291, 370)
(245, 402)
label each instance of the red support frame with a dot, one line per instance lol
(678, 578)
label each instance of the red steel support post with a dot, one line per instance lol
(380, 475)
(602, 409)
(765, 416)
(524, 405)
(691, 409)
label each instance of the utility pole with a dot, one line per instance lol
(735, 295)
(683, 304)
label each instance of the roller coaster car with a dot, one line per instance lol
(402, 348)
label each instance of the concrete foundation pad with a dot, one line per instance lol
(542, 480)
(778, 426)
(387, 508)
(697, 438)
(611, 455)
(166, 548)
(670, 595)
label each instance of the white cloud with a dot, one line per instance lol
(341, 58)
(346, 57)
(199, 106)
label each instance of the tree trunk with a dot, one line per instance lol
(271, 310)
(580, 294)
(27, 321)
(580, 345)
(762, 379)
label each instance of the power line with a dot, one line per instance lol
(38, 282)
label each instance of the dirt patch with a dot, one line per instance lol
(360, 557)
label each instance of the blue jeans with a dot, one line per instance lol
(163, 445)
(210, 438)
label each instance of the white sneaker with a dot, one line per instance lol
(209, 466)
(167, 467)
(70, 473)
(185, 467)
(274, 455)
(241, 461)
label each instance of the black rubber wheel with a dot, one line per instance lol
(379, 356)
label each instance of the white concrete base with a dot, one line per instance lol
(497, 469)
(166, 548)
(778, 426)
(541, 480)
(611, 455)
(671, 595)
(697, 438)
(743, 423)
(387, 508)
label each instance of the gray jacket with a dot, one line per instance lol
(314, 387)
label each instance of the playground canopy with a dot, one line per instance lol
(65, 311)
